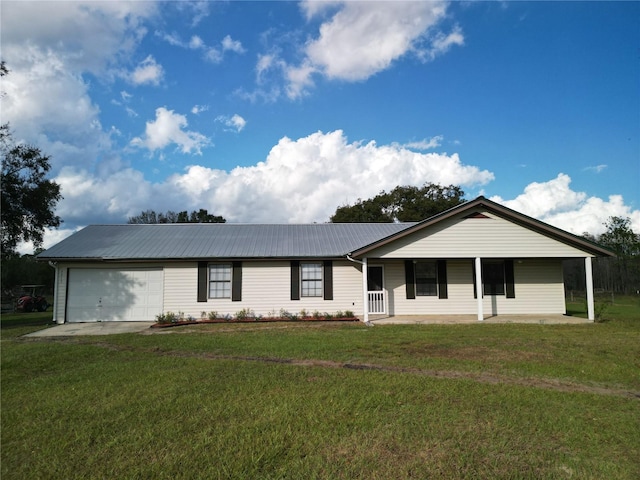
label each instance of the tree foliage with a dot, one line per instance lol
(28, 197)
(403, 204)
(200, 216)
(619, 274)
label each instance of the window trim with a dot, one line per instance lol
(434, 264)
(320, 268)
(229, 265)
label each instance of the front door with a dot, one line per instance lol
(375, 289)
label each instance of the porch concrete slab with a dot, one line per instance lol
(93, 328)
(466, 319)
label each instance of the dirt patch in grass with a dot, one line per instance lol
(481, 377)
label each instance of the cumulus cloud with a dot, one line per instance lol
(147, 72)
(554, 202)
(363, 38)
(169, 128)
(48, 50)
(305, 180)
(234, 123)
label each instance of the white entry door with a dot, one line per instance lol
(375, 289)
(112, 294)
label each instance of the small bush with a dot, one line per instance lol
(245, 314)
(212, 315)
(349, 314)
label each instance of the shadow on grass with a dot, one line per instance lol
(16, 320)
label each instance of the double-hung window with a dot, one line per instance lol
(311, 279)
(426, 278)
(220, 280)
(493, 277)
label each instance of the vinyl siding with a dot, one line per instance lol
(538, 285)
(491, 237)
(265, 290)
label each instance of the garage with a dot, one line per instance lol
(114, 294)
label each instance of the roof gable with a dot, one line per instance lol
(478, 212)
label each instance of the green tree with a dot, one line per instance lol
(625, 268)
(403, 203)
(28, 198)
(200, 216)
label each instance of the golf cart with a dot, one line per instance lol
(32, 299)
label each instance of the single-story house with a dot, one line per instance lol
(478, 258)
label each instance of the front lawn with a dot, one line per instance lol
(326, 401)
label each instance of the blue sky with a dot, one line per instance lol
(283, 111)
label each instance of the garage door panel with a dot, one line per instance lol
(114, 294)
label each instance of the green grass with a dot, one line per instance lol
(326, 401)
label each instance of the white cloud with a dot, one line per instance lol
(168, 128)
(236, 123)
(555, 203)
(305, 180)
(211, 54)
(595, 169)
(233, 45)
(364, 38)
(147, 72)
(48, 47)
(426, 144)
(198, 109)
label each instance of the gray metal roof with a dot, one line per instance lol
(219, 240)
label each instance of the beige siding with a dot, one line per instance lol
(539, 289)
(265, 290)
(461, 237)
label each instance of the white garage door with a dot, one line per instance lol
(110, 294)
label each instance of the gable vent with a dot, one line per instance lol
(476, 215)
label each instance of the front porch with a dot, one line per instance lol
(542, 319)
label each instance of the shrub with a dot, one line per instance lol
(245, 313)
(212, 315)
(349, 314)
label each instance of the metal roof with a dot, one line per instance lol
(219, 240)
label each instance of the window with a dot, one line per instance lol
(220, 280)
(311, 279)
(426, 279)
(493, 277)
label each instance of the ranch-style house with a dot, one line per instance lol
(478, 258)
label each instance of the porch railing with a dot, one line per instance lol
(377, 302)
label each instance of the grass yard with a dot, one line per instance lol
(344, 401)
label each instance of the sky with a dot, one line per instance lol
(280, 112)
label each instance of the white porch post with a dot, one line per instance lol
(365, 292)
(479, 288)
(589, 283)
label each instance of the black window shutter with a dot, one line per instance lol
(442, 279)
(202, 281)
(236, 283)
(509, 279)
(410, 279)
(295, 280)
(473, 267)
(328, 280)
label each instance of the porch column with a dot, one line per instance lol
(479, 288)
(589, 283)
(365, 292)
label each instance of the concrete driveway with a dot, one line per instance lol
(94, 328)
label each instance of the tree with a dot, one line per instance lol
(403, 203)
(28, 198)
(625, 269)
(200, 216)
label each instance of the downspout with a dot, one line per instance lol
(54, 265)
(365, 295)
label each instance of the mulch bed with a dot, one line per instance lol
(255, 320)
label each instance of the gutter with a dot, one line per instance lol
(54, 265)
